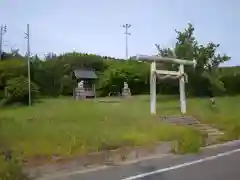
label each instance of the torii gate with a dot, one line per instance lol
(177, 74)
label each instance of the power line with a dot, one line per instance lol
(126, 26)
(3, 30)
(29, 70)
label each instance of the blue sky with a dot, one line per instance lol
(95, 26)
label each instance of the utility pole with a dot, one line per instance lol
(126, 26)
(29, 71)
(3, 30)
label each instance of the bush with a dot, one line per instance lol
(233, 132)
(16, 90)
(11, 170)
(2, 94)
(188, 144)
(67, 85)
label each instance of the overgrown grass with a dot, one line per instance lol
(225, 115)
(11, 170)
(65, 127)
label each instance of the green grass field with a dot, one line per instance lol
(66, 127)
(225, 115)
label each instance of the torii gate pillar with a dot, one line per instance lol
(182, 90)
(153, 88)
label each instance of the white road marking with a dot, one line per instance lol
(182, 165)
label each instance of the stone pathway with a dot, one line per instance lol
(212, 133)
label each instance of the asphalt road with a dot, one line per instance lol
(219, 163)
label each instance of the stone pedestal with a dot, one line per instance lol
(80, 93)
(126, 92)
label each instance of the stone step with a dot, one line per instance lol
(213, 138)
(207, 129)
(211, 132)
(181, 120)
(192, 122)
(215, 133)
(202, 125)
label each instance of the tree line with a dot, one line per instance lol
(54, 75)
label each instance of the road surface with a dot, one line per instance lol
(215, 163)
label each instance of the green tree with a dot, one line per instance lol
(135, 73)
(204, 79)
(16, 90)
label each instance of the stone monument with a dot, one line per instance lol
(80, 92)
(126, 92)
